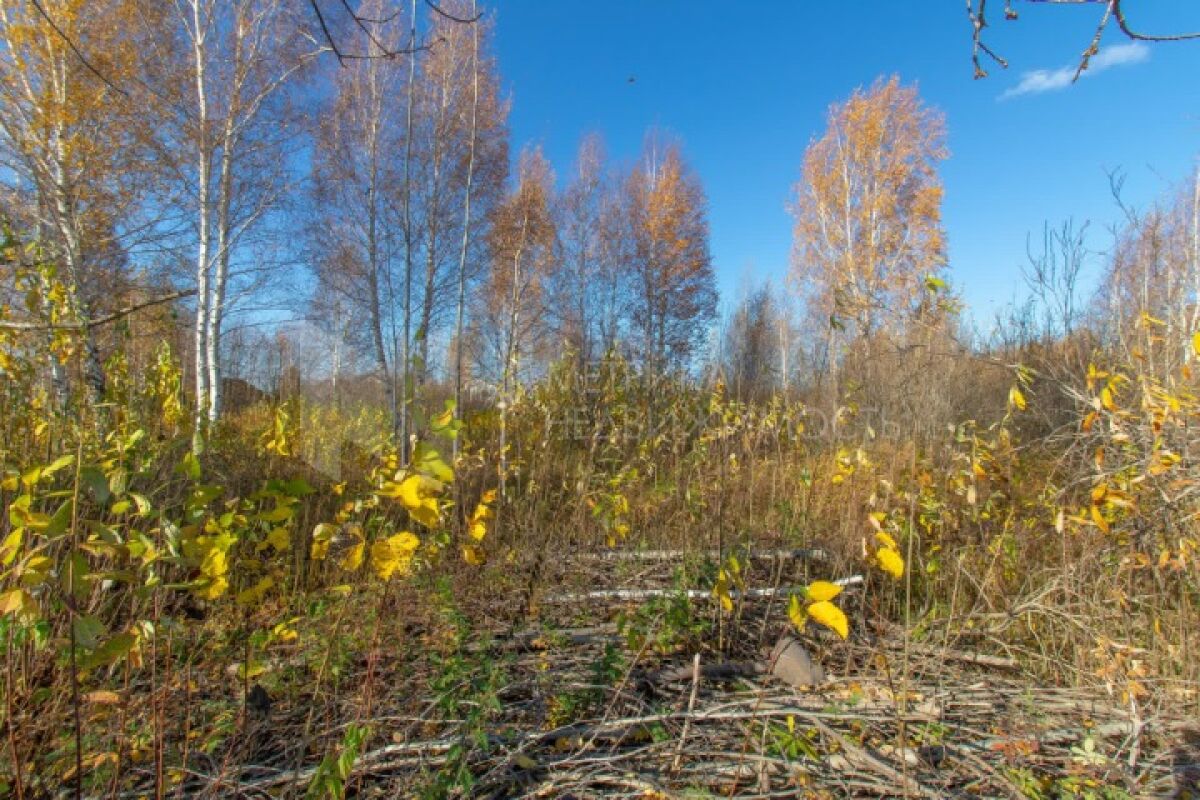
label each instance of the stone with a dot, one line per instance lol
(792, 664)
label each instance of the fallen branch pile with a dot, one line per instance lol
(587, 709)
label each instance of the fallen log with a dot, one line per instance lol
(693, 594)
(812, 553)
(964, 656)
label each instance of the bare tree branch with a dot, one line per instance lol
(1123, 24)
(365, 28)
(1112, 10)
(363, 24)
(451, 17)
(1094, 47)
(92, 323)
(325, 31)
(978, 23)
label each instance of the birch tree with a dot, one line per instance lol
(241, 58)
(484, 169)
(584, 294)
(867, 208)
(459, 162)
(68, 150)
(1150, 290)
(674, 296)
(511, 318)
(357, 183)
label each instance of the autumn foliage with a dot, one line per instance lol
(334, 554)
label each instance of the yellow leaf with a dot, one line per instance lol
(442, 420)
(17, 601)
(886, 540)
(1196, 344)
(284, 632)
(478, 530)
(280, 538)
(11, 546)
(721, 590)
(726, 601)
(215, 563)
(818, 591)
(474, 555)
(322, 535)
(1106, 399)
(829, 615)
(890, 561)
(354, 557)
(419, 494)
(1099, 519)
(1016, 398)
(489, 497)
(394, 554)
(255, 593)
(796, 613)
(213, 588)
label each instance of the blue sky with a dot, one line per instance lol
(747, 85)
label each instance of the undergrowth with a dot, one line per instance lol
(156, 603)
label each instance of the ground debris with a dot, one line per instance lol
(588, 709)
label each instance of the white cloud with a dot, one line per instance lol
(1051, 80)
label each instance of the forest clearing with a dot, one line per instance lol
(349, 449)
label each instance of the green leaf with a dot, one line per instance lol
(74, 576)
(57, 464)
(61, 520)
(118, 481)
(298, 487)
(88, 631)
(428, 461)
(189, 466)
(94, 479)
(277, 514)
(142, 503)
(112, 651)
(31, 476)
(203, 495)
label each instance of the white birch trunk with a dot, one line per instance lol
(199, 35)
(408, 237)
(462, 253)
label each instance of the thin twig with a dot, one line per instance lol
(451, 17)
(687, 722)
(1123, 24)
